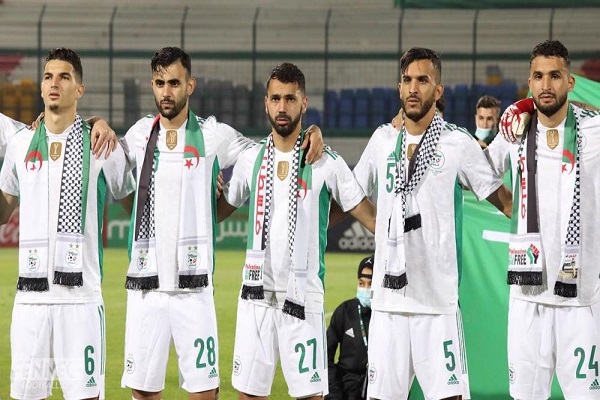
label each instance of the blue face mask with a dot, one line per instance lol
(483, 134)
(364, 297)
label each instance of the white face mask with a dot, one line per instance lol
(364, 296)
(483, 134)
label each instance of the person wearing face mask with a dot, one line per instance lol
(486, 119)
(349, 329)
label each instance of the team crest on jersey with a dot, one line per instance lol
(72, 256)
(192, 257)
(438, 160)
(33, 261)
(129, 365)
(143, 261)
(55, 150)
(552, 138)
(511, 374)
(171, 139)
(237, 366)
(372, 374)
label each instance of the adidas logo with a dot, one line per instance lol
(315, 378)
(213, 373)
(392, 156)
(350, 332)
(595, 385)
(91, 382)
(357, 237)
(453, 380)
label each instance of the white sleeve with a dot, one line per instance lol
(230, 143)
(237, 190)
(475, 171)
(8, 127)
(498, 154)
(118, 175)
(9, 182)
(128, 142)
(342, 185)
(365, 171)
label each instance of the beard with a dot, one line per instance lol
(415, 115)
(551, 109)
(176, 107)
(285, 131)
(53, 107)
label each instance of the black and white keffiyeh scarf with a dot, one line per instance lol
(525, 258)
(259, 221)
(192, 241)
(34, 242)
(405, 215)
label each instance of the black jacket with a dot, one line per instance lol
(347, 377)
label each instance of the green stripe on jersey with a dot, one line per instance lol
(213, 202)
(458, 225)
(100, 199)
(102, 339)
(324, 203)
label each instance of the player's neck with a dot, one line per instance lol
(177, 121)
(419, 127)
(554, 120)
(286, 144)
(58, 121)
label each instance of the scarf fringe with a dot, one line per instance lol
(524, 278)
(68, 278)
(193, 281)
(253, 292)
(33, 284)
(565, 289)
(145, 283)
(293, 309)
(394, 282)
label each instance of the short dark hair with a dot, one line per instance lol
(288, 73)
(420, 53)
(170, 55)
(440, 104)
(70, 56)
(488, 102)
(551, 48)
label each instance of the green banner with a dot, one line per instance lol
(484, 299)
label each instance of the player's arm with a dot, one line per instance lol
(336, 214)
(502, 199)
(237, 190)
(224, 209)
(366, 213)
(127, 203)
(8, 203)
(313, 140)
(102, 136)
(104, 139)
(118, 174)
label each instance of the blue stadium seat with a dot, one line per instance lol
(331, 109)
(311, 117)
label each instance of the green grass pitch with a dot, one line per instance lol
(340, 284)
